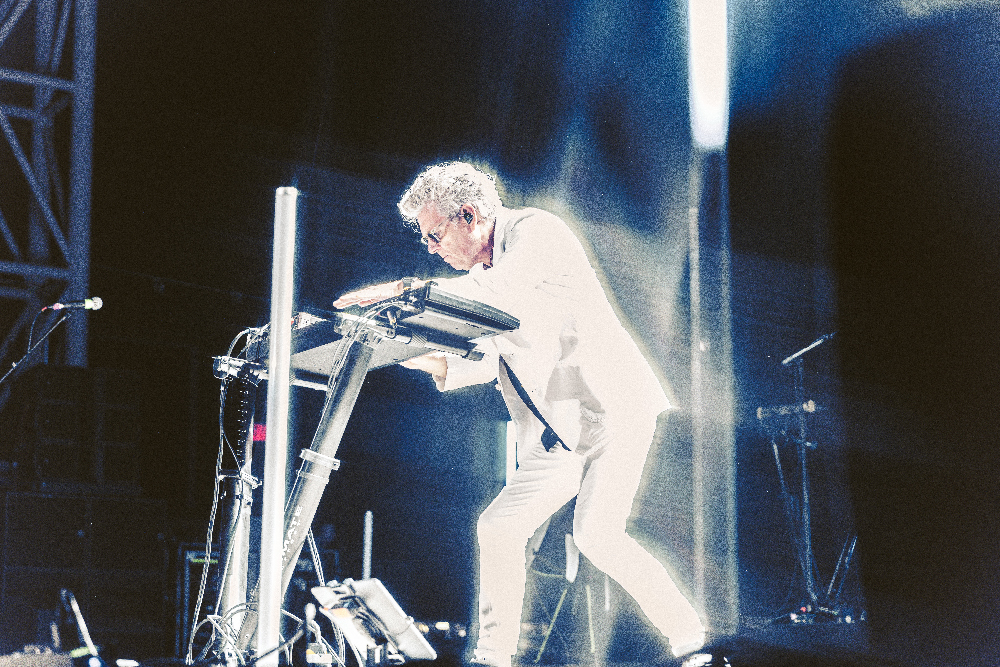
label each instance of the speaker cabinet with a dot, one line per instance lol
(110, 552)
(74, 430)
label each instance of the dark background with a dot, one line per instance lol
(862, 164)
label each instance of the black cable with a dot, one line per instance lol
(299, 631)
(208, 549)
(203, 584)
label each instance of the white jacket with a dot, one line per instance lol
(570, 351)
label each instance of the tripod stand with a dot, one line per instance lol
(819, 603)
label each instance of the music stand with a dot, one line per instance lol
(375, 626)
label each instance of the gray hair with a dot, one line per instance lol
(447, 187)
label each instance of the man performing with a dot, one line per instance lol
(582, 397)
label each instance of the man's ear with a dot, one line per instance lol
(468, 211)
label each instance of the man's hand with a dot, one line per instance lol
(434, 363)
(373, 294)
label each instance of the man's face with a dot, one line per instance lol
(461, 244)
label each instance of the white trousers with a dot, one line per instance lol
(605, 478)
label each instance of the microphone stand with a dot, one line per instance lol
(16, 364)
(818, 603)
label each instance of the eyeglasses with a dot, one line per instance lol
(433, 234)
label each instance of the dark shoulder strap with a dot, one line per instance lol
(549, 437)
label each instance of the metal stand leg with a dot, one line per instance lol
(552, 623)
(234, 548)
(591, 633)
(836, 586)
(319, 460)
(234, 538)
(808, 567)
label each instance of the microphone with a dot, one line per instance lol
(93, 303)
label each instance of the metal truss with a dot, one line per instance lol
(47, 52)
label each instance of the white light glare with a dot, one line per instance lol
(708, 72)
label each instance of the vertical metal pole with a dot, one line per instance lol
(808, 573)
(730, 568)
(41, 135)
(276, 444)
(697, 395)
(711, 396)
(724, 437)
(81, 151)
(713, 440)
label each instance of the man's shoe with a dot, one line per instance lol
(683, 646)
(704, 659)
(488, 658)
(701, 653)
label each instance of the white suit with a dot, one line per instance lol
(586, 376)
